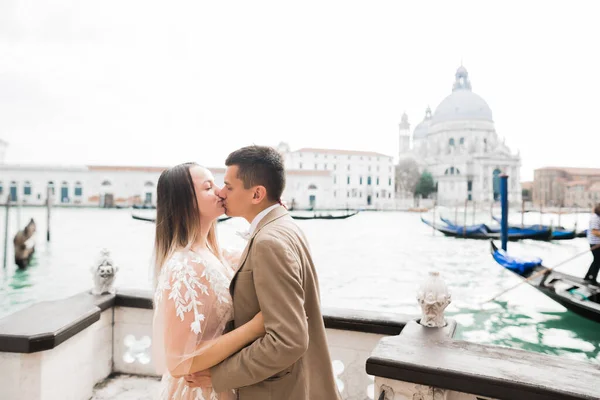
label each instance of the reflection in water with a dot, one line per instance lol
(541, 332)
(372, 261)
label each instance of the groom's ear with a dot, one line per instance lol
(260, 193)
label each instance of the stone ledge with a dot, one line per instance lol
(428, 357)
(390, 324)
(45, 325)
(134, 298)
(334, 318)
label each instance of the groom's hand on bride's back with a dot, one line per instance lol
(199, 379)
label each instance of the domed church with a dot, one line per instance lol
(459, 146)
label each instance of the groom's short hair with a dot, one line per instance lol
(260, 165)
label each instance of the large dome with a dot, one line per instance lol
(462, 103)
(422, 129)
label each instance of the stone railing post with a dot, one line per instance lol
(433, 297)
(104, 273)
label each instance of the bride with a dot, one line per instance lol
(192, 303)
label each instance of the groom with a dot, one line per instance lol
(277, 276)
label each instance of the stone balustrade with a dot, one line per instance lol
(62, 349)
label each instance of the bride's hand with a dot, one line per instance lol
(258, 325)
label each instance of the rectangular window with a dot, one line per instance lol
(390, 182)
(78, 191)
(348, 167)
(300, 166)
(360, 180)
(316, 166)
(334, 167)
(325, 167)
(348, 180)
(334, 180)
(377, 181)
(27, 190)
(348, 193)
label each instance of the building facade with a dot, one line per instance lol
(568, 187)
(350, 179)
(316, 179)
(459, 146)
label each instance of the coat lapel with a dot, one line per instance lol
(270, 217)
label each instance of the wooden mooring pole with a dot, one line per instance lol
(6, 221)
(48, 207)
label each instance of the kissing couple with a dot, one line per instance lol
(236, 326)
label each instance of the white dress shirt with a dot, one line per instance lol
(247, 235)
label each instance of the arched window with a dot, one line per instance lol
(78, 189)
(13, 191)
(452, 171)
(149, 184)
(106, 183)
(64, 192)
(27, 188)
(51, 187)
(496, 183)
(312, 186)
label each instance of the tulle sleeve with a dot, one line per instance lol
(186, 314)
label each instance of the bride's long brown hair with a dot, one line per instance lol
(178, 216)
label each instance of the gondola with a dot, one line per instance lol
(572, 292)
(482, 231)
(558, 233)
(328, 216)
(153, 219)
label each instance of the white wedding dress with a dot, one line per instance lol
(192, 305)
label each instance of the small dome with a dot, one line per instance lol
(422, 129)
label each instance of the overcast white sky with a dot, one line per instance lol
(158, 83)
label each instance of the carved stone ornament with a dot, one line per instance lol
(433, 297)
(104, 274)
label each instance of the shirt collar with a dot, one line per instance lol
(259, 217)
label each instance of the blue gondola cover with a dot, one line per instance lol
(519, 265)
